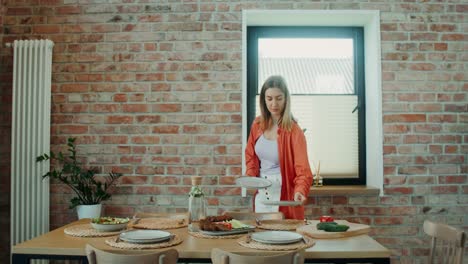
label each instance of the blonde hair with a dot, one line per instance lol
(286, 119)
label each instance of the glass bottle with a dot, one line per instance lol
(197, 207)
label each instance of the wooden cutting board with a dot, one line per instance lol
(354, 229)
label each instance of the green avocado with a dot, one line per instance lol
(322, 225)
(336, 228)
(332, 227)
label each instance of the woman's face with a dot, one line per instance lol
(275, 101)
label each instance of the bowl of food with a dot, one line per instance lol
(108, 224)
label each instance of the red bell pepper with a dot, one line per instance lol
(326, 218)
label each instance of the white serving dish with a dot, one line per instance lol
(119, 224)
(145, 236)
(253, 182)
(277, 237)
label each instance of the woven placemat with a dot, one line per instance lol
(176, 240)
(247, 242)
(285, 224)
(160, 223)
(201, 235)
(87, 230)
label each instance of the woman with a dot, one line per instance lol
(277, 150)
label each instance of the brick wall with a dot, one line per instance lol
(152, 89)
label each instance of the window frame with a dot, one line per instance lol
(357, 34)
(371, 21)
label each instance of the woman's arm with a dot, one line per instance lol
(303, 179)
(252, 163)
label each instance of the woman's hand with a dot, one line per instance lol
(300, 197)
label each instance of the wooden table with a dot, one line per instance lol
(57, 245)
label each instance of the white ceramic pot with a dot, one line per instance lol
(89, 211)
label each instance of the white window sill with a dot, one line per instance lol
(343, 190)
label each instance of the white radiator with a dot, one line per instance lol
(32, 63)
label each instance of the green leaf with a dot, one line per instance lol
(81, 180)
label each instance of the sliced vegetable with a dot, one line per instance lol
(326, 218)
(237, 224)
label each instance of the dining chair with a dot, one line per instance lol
(447, 243)
(219, 256)
(98, 256)
(239, 215)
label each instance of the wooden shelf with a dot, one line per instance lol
(343, 190)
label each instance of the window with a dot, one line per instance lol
(370, 166)
(323, 67)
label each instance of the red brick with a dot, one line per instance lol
(104, 87)
(122, 77)
(165, 180)
(153, 119)
(389, 220)
(104, 108)
(113, 139)
(444, 189)
(454, 37)
(73, 108)
(440, 46)
(423, 36)
(68, 10)
(145, 139)
(120, 98)
(148, 190)
(410, 118)
(119, 120)
(18, 11)
(130, 159)
(166, 129)
(166, 108)
(74, 88)
(135, 108)
(150, 77)
(395, 129)
(133, 180)
(412, 170)
(453, 179)
(398, 190)
(180, 170)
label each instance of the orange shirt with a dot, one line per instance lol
(294, 165)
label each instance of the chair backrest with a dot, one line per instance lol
(219, 256)
(252, 215)
(447, 243)
(98, 256)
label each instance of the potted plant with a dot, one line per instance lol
(89, 190)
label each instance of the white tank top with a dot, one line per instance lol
(267, 152)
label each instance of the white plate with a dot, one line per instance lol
(230, 232)
(282, 203)
(145, 236)
(277, 237)
(253, 182)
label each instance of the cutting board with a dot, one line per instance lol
(354, 230)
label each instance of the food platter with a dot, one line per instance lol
(228, 232)
(311, 230)
(277, 237)
(253, 182)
